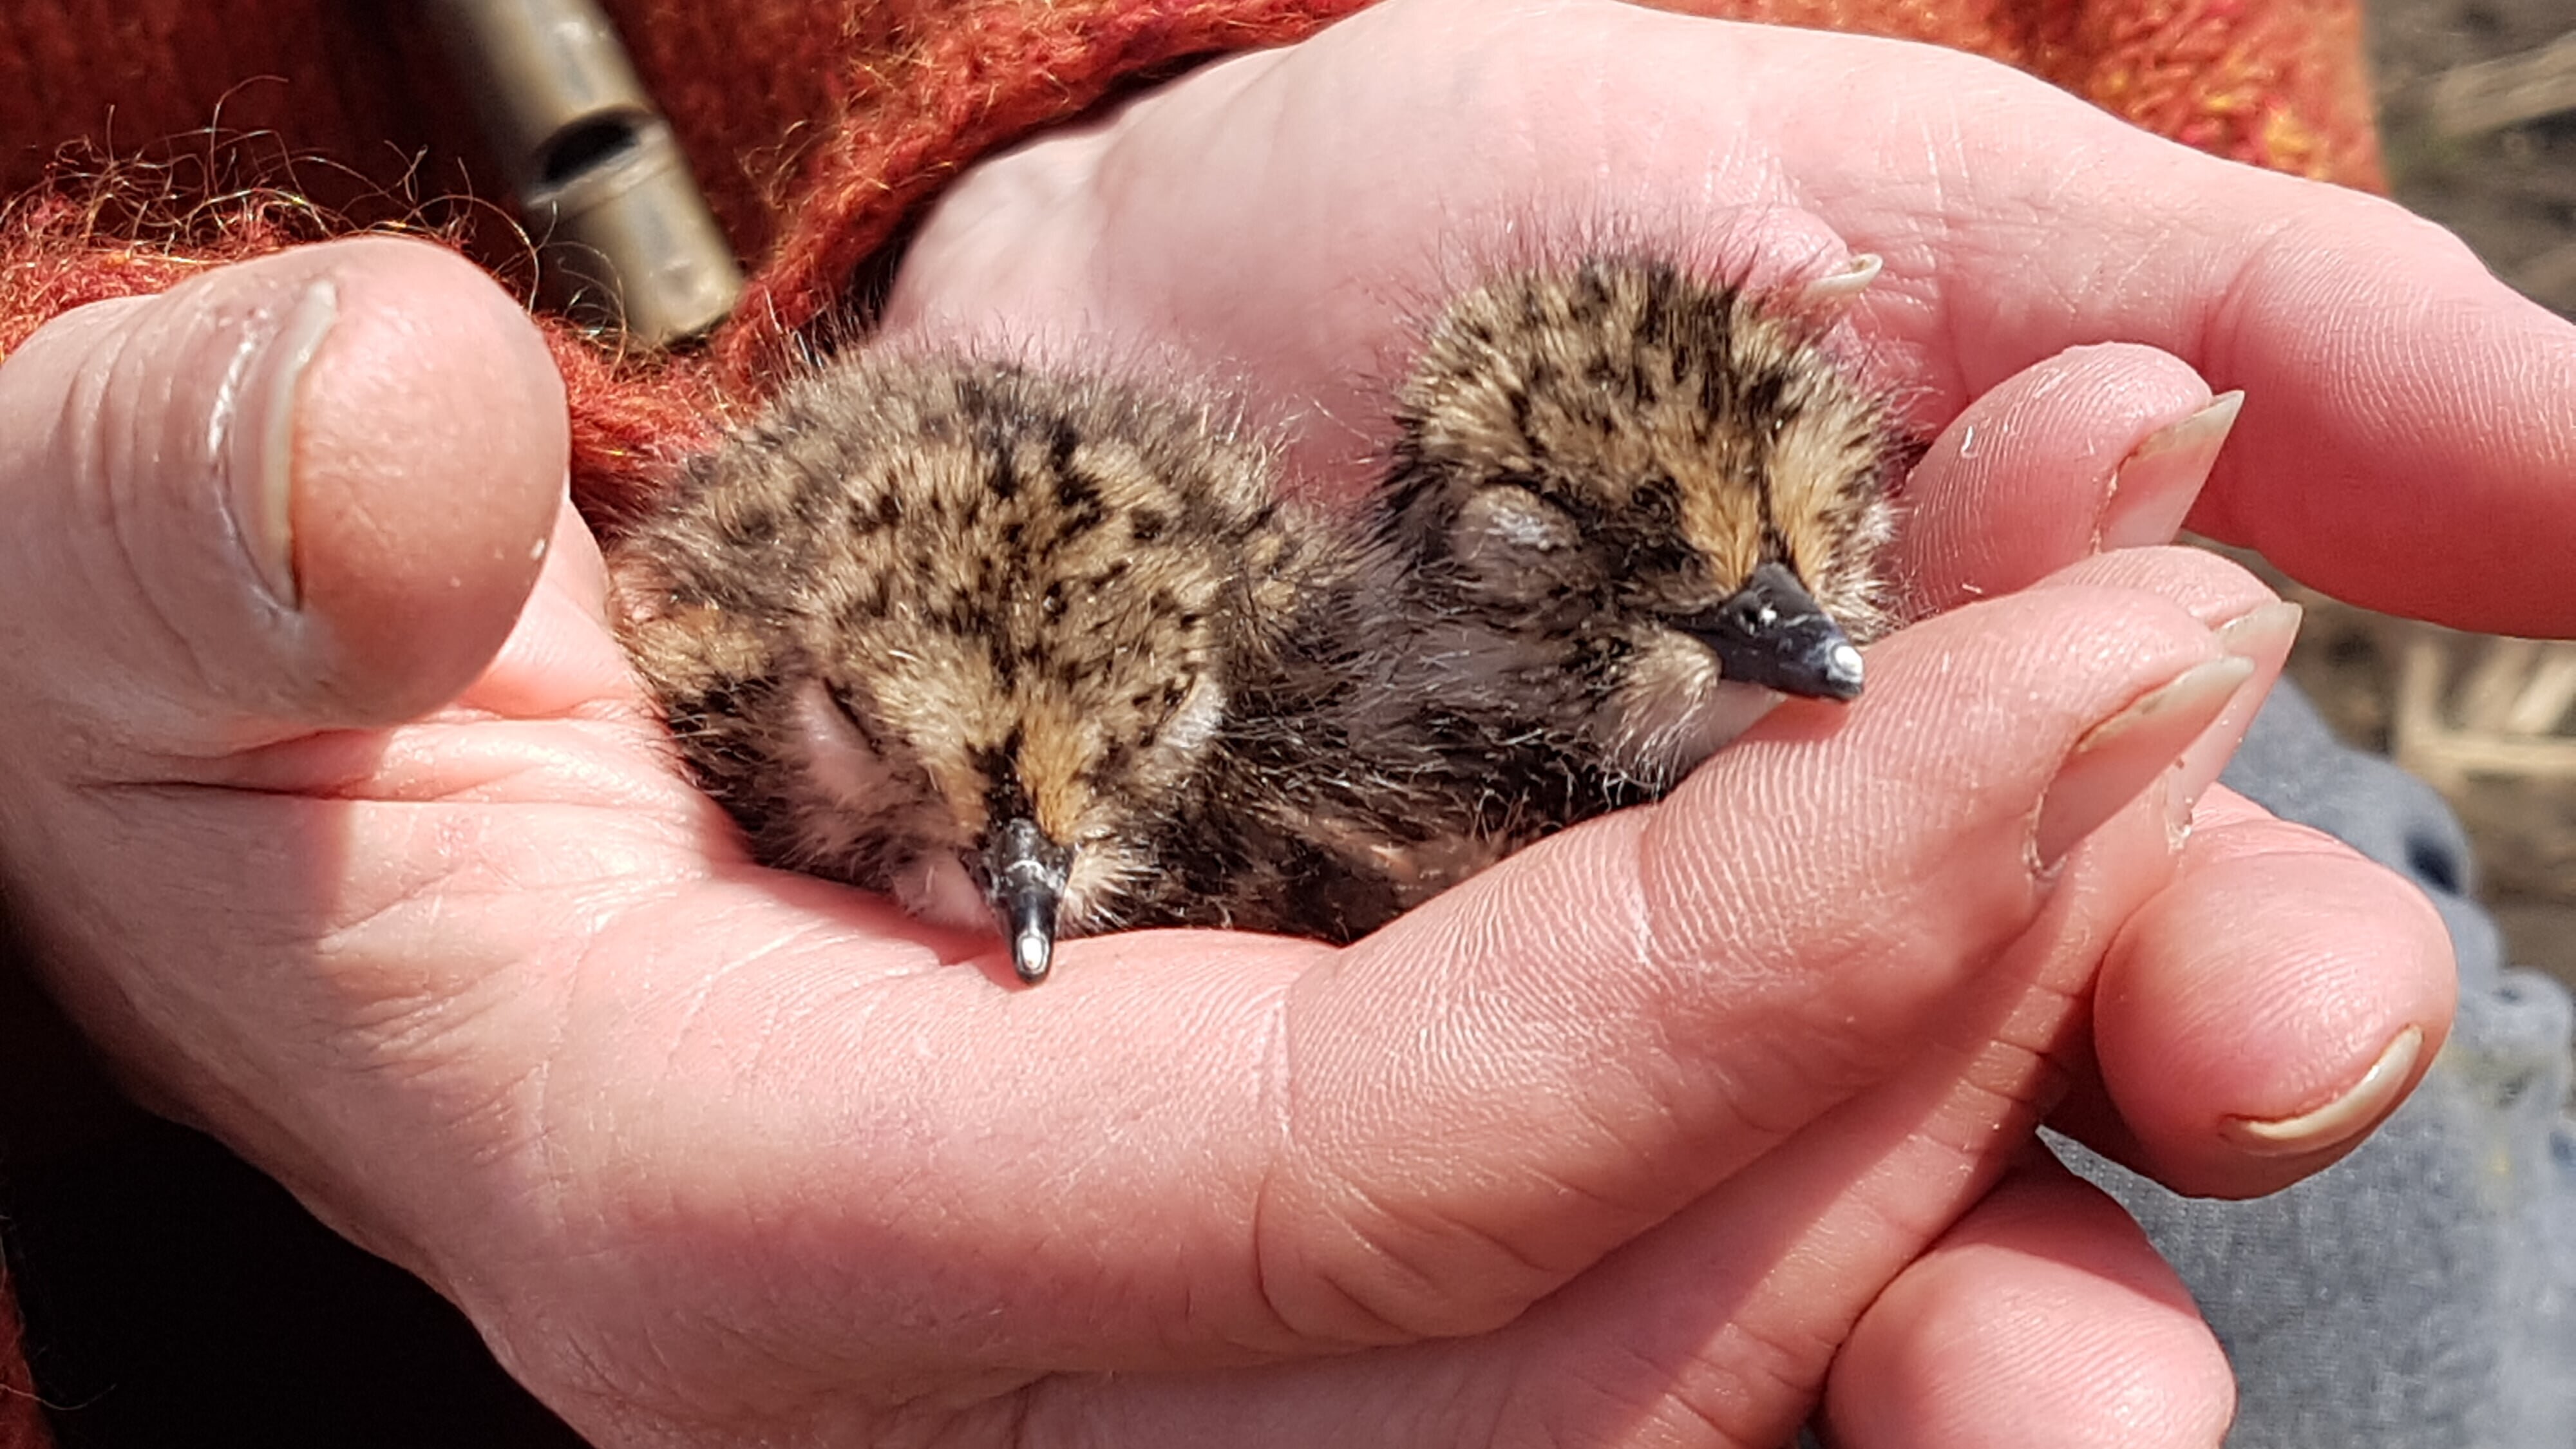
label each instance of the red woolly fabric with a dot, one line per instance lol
(820, 128)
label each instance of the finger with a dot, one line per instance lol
(2044, 1318)
(2256, 1018)
(2096, 448)
(2374, 350)
(303, 491)
(2269, 1008)
(2249, 621)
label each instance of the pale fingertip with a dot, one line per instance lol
(2342, 1120)
(429, 459)
(2155, 486)
(297, 490)
(2042, 1318)
(2260, 987)
(2017, 486)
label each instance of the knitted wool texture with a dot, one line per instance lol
(2277, 83)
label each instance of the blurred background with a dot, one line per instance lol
(2478, 115)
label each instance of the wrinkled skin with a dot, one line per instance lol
(1656, 1134)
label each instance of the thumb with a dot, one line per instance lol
(306, 491)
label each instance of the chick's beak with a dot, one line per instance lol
(1024, 874)
(1772, 632)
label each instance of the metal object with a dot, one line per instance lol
(623, 231)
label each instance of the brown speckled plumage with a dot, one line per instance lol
(935, 625)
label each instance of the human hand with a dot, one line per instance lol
(1422, 142)
(496, 995)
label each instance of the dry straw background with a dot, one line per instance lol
(2478, 111)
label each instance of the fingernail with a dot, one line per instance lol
(253, 426)
(2120, 757)
(2261, 633)
(2262, 638)
(2340, 1120)
(1854, 278)
(2155, 486)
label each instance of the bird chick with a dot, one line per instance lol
(1626, 507)
(962, 632)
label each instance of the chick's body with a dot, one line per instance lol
(1055, 649)
(931, 621)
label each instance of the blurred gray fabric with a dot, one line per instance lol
(2423, 1291)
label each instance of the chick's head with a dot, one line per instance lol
(1668, 469)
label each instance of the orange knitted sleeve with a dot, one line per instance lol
(819, 128)
(2278, 83)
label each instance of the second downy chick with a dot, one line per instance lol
(1627, 509)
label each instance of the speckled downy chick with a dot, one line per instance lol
(963, 632)
(1627, 508)
(1626, 511)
